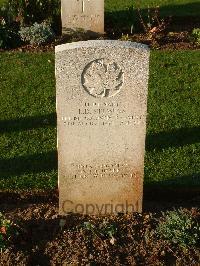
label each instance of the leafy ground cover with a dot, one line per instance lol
(28, 121)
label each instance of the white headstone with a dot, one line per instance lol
(83, 14)
(101, 116)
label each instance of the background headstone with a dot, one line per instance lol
(83, 14)
(101, 111)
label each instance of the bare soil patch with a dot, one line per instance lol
(42, 241)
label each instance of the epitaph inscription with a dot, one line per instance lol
(101, 114)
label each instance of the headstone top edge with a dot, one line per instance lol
(101, 43)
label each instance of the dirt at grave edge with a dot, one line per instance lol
(42, 241)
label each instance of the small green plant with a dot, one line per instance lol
(105, 230)
(26, 12)
(90, 227)
(196, 36)
(7, 230)
(109, 230)
(37, 34)
(178, 227)
(4, 33)
(125, 37)
(9, 37)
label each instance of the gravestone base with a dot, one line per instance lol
(80, 33)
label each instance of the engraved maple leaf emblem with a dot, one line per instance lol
(101, 79)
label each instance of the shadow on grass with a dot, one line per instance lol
(182, 191)
(10, 200)
(28, 164)
(186, 16)
(48, 161)
(185, 183)
(158, 141)
(27, 123)
(174, 138)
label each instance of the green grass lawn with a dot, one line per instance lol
(121, 15)
(27, 126)
(28, 121)
(173, 7)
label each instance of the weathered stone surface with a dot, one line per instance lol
(101, 116)
(83, 14)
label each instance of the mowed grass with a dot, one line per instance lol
(122, 15)
(173, 133)
(27, 126)
(171, 7)
(28, 121)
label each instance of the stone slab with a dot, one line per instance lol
(101, 118)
